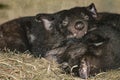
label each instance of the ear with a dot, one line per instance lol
(46, 19)
(47, 24)
(92, 9)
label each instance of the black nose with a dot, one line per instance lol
(79, 25)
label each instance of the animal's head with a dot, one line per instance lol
(76, 21)
(70, 23)
(85, 59)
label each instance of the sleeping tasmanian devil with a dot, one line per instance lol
(98, 50)
(67, 24)
(47, 31)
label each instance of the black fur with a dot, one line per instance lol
(96, 51)
(112, 19)
(14, 34)
(62, 25)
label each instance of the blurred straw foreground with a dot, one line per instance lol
(24, 66)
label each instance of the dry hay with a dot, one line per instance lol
(25, 67)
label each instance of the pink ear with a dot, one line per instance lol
(92, 9)
(46, 19)
(47, 24)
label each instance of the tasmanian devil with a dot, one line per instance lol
(98, 51)
(38, 37)
(13, 34)
(63, 25)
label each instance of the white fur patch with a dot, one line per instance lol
(1, 35)
(47, 24)
(98, 44)
(32, 37)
